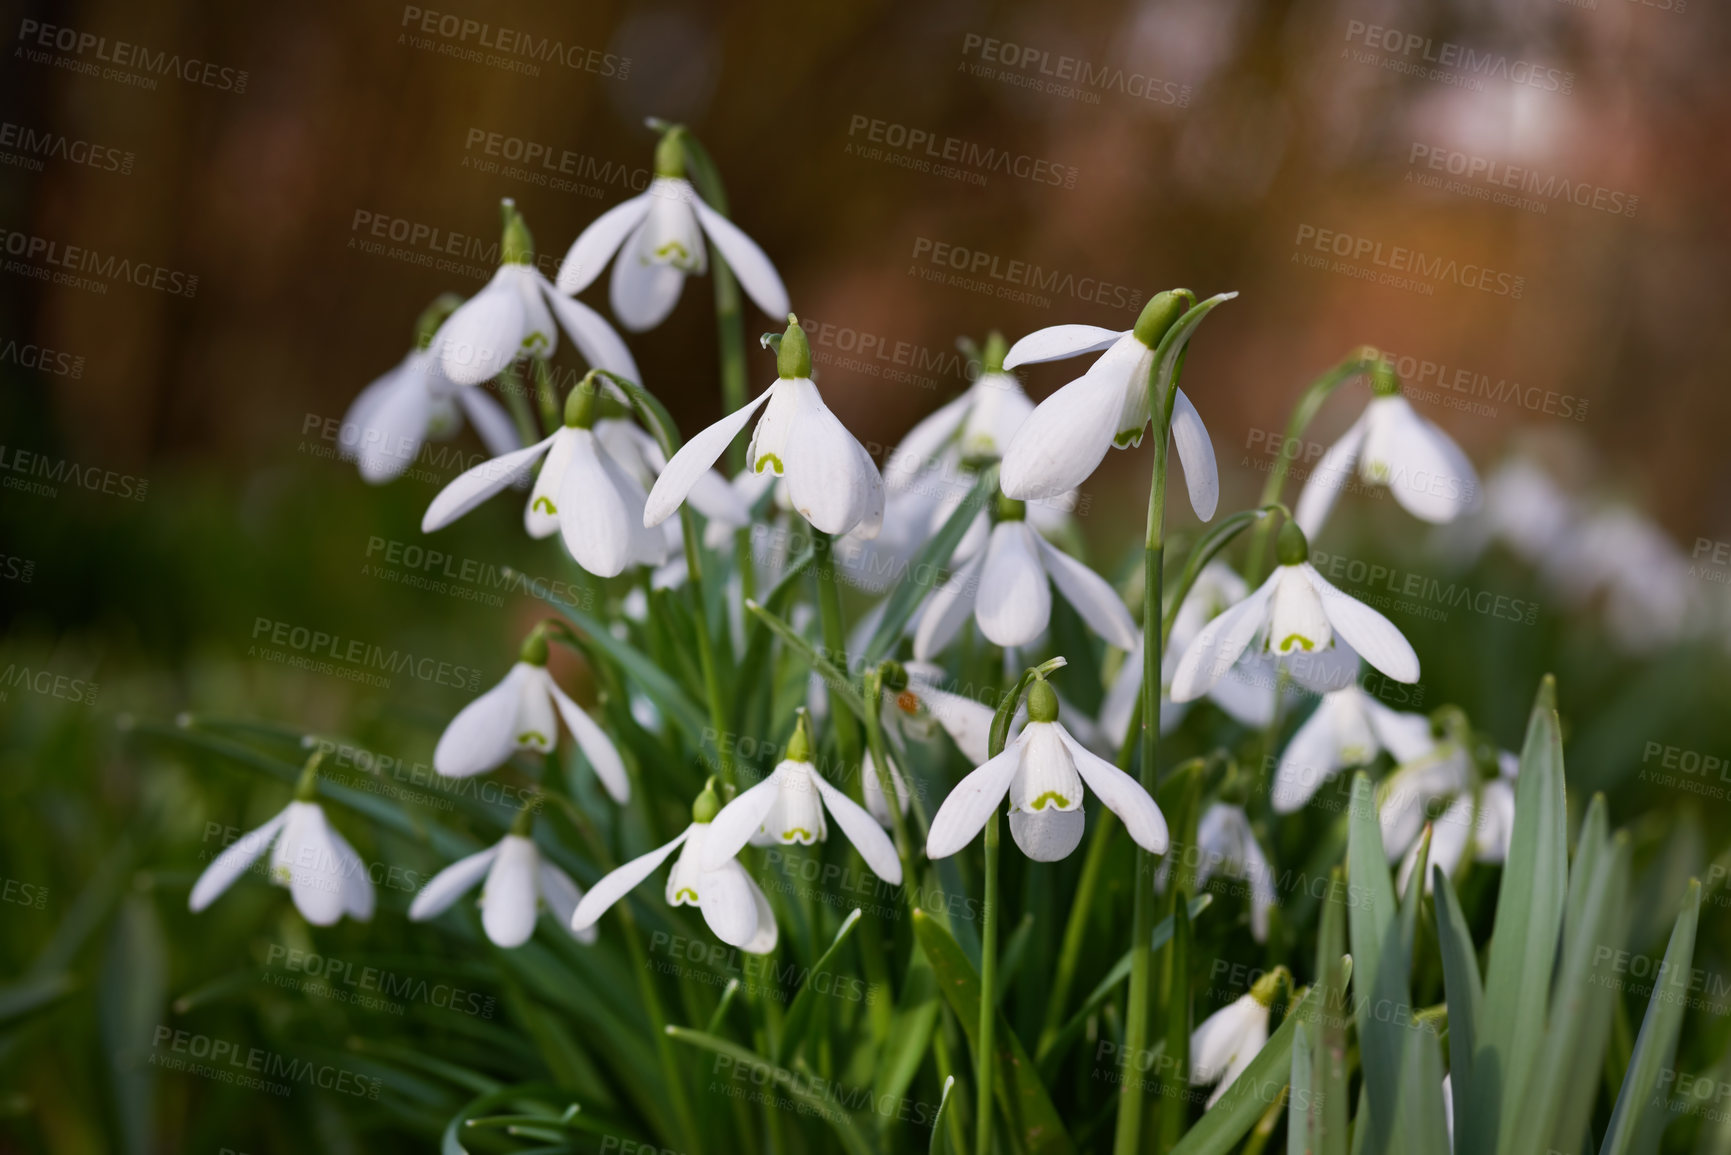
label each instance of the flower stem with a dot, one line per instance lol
(835, 641)
(516, 395)
(1358, 361)
(705, 647)
(874, 688)
(552, 414)
(658, 1027)
(987, 1057)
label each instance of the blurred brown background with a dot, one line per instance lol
(1210, 143)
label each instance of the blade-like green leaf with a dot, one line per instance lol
(1380, 981)
(1463, 986)
(1641, 1106)
(834, 680)
(933, 559)
(1303, 1108)
(1025, 1102)
(1414, 896)
(1229, 1120)
(800, 1087)
(1328, 1134)
(1423, 1129)
(666, 693)
(799, 1013)
(937, 1145)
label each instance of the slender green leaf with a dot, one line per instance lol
(668, 696)
(937, 1145)
(798, 1086)
(1230, 1119)
(834, 680)
(1303, 1106)
(932, 560)
(799, 1012)
(1463, 986)
(1328, 1134)
(1380, 982)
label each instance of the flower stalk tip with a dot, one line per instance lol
(1384, 382)
(583, 404)
(793, 354)
(799, 747)
(1158, 315)
(1042, 702)
(670, 155)
(1291, 547)
(992, 356)
(307, 789)
(706, 805)
(517, 247)
(534, 650)
(1268, 986)
(524, 822)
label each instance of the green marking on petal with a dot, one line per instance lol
(769, 457)
(1128, 437)
(1050, 797)
(534, 738)
(798, 834)
(1299, 640)
(546, 501)
(685, 896)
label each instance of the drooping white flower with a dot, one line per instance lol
(518, 714)
(1230, 1038)
(921, 705)
(1246, 691)
(733, 905)
(1348, 728)
(582, 492)
(1044, 772)
(414, 402)
(1228, 846)
(1295, 612)
(1413, 795)
(1109, 406)
(1485, 824)
(1527, 511)
(637, 451)
(659, 236)
(322, 872)
(1008, 590)
(517, 880)
(1619, 552)
(514, 316)
(1392, 446)
(831, 479)
(788, 807)
(979, 424)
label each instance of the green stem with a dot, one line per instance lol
(705, 647)
(986, 1059)
(658, 1026)
(874, 688)
(517, 401)
(729, 317)
(552, 414)
(1358, 361)
(835, 641)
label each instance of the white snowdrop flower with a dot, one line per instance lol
(1008, 590)
(1246, 691)
(1296, 612)
(920, 706)
(1648, 590)
(1109, 406)
(635, 449)
(1228, 846)
(322, 872)
(733, 905)
(1230, 1039)
(517, 881)
(1527, 511)
(1411, 796)
(975, 426)
(831, 480)
(518, 714)
(414, 402)
(514, 316)
(659, 236)
(1044, 772)
(1348, 728)
(1392, 446)
(1485, 824)
(872, 789)
(789, 806)
(582, 493)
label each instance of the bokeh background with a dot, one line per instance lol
(297, 202)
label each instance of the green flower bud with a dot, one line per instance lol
(433, 316)
(1383, 381)
(583, 404)
(799, 746)
(1042, 702)
(1291, 547)
(1268, 986)
(793, 356)
(534, 649)
(706, 805)
(1158, 315)
(992, 358)
(1009, 509)
(895, 676)
(670, 156)
(517, 247)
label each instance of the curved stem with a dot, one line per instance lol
(835, 641)
(874, 688)
(987, 1058)
(1358, 361)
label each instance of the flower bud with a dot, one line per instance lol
(670, 156)
(1291, 547)
(583, 404)
(1158, 315)
(799, 746)
(1042, 702)
(517, 247)
(992, 356)
(534, 650)
(793, 357)
(706, 805)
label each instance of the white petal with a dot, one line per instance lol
(947, 609)
(694, 459)
(484, 732)
(1219, 643)
(357, 885)
(305, 859)
(1297, 622)
(1014, 603)
(451, 884)
(595, 339)
(1427, 473)
(872, 789)
(595, 245)
(719, 501)
(964, 813)
(1067, 435)
(595, 744)
(999, 408)
(1196, 452)
(765, 939)
(1121, 794)
(389, 425)
(541, 514)
(922, 446)
(485, 333)
(1246, 691)
(1374, 637)
(728, 904)
(862, 830)
(233, 862)
(1255, 1037)
(739, 820)
(1310, 759)
(1495, 821)
(1119, 705)
(1047, 835)
(1221, 1037)
(755, 273)
(1058, 341)
(511, 895)
(967, 722)
(473, 486)
(601, 510)
(562, 894)
(1092, 596)
(1405, 736)
(643, 292)
(490, 420)
(616, 884)
(1331, 474)
(830, 480)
